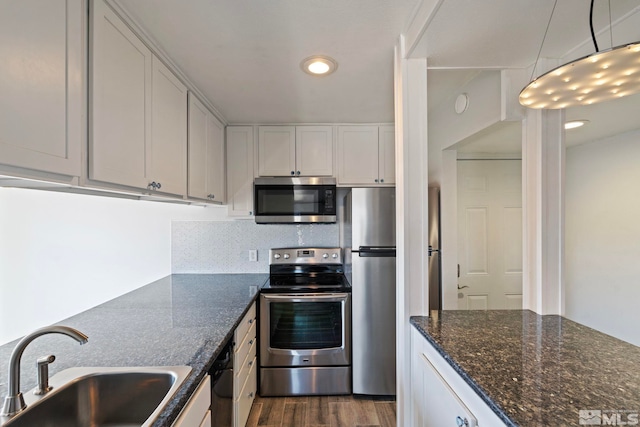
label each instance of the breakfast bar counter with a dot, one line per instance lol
(534, 370)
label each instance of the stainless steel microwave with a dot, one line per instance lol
(295, 200)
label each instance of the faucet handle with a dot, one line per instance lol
(43, 374)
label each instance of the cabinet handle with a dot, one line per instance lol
(298, 173)
(251, 321)
(250, 212)
(250, 395)
(251, 363)
(293, 173)
(376, 179)
(250, 342)
(382, 180)
(460, 422)
(154, 185)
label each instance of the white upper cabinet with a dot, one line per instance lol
(387, 154)
(295, 151)
(240, 174)
(206, 153)
(276, 150)
(366, 155)
(168, 149)
(314, 150)
(120, 103)
(138, 109)
(41, 79)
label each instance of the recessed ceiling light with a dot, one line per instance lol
(575, 124)
(318, 65)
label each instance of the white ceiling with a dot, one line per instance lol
(466, 36)
(245, 55)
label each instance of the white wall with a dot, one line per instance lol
(602, 235)
(61, 254)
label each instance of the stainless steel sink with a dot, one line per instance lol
(95, 397)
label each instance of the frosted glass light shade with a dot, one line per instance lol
(599, 77)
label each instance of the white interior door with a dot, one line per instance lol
(490, 234)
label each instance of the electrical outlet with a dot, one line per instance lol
(253, 255)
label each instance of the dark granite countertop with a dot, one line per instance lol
(537, 370)
(178, 320)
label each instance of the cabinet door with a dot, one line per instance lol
(387, 155)
(197, 148)
(314, 150)
(240, 156)
(276, 151)
(441, 405)
(168, 148)
(41, 102)
(215, 160)
(206, 153)
(358, 155)
(197, 408)
(120, 126)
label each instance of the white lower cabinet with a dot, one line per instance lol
(244, 366)
(439, 396)
(196, 412)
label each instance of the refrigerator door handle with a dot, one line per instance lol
(375, 251)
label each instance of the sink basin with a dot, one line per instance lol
(95, 397)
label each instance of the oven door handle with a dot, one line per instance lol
(314, 297)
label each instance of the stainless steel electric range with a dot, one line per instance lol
(305, 324)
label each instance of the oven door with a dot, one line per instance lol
(305, 329)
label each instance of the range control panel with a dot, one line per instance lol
(305, 256)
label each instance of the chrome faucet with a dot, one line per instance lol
(14, 402)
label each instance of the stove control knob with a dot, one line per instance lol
(277, 256)
(325, 256)
(334, 256)
(286, 256)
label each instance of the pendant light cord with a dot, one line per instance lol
(593, 36)
(533, 72)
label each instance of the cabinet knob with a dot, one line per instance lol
(382, 180)
(250, 321)
(376, 179)
(293, 173)
(462, 422)
(154, 185)
(250, 395)
(298, 173)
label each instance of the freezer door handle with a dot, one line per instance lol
(375, 251)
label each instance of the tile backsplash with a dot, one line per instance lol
(223, 246)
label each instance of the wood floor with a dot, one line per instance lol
(322, 411)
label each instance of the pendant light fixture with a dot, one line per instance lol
(601, 76)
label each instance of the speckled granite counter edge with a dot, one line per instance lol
(200, 365)
(465, 376)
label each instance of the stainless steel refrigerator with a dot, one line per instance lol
(435, 260)
(368, 235)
